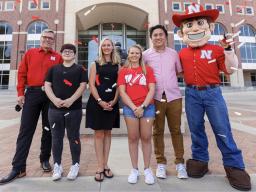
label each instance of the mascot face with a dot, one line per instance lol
(196, 32)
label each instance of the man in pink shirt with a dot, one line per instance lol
(168, 100)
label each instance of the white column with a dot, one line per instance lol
(70, 29)
(237, 78)
(12, 79)
(153, 19)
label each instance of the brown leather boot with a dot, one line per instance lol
(238, 178)
(196, 169)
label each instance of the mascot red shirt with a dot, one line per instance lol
(201, 64)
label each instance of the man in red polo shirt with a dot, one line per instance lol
(31, 76)
(201, 64)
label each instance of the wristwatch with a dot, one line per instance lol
(143, 106)
(99, 100)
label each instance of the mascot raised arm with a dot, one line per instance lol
(202, 63)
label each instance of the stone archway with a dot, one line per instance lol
(133, 13)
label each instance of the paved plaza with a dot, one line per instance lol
(242, 111)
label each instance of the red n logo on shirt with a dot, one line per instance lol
(206, 54)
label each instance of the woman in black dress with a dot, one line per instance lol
(102, 111)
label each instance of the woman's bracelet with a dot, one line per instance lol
(143, 106)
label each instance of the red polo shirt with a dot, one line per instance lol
(34, 66)
(202, 65)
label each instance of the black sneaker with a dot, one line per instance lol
(45, 165)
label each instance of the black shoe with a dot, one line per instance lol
(11, 176)
(45, 165)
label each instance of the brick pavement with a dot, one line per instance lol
(88, 159)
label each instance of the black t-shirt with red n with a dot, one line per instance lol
(65, 81)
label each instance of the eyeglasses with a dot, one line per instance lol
(47, 38)
(67, 52)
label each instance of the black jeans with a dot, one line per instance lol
(71, 120)
(36, 102)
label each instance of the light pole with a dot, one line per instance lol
(56, 22)
(19, 23)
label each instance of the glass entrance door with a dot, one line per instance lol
(89, 40)
(114, 31)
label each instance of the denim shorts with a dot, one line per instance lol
(149, 112)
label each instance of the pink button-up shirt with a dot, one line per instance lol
(166, 65)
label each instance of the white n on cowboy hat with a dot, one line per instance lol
(195, 10)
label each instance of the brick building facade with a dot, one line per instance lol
(21, 23)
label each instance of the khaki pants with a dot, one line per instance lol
(172, 110)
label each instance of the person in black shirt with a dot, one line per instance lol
(64, 85)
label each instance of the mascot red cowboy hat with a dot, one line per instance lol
(201, 64)
(194, 11)
(202, 27)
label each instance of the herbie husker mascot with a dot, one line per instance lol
(202, 63)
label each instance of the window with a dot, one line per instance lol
(1, 6)
(45, 4)
(32, 5)
(253, 79)
(34, 33)
(176, 6)
(248, 50)
(133, 36)
(249, 11)
(220, 8)
(5, 28)
(225, 79)
(208, 6)
(186, 4)
(219, 29)
(9, 5)
(178, 45)
(4, 79)
(217, 34)
(5, 53)
(247, 30)
(5, 45)
(239, 10)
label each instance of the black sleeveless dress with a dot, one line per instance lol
(106, 84)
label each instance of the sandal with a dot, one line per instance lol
(107, 173)
(101, 178)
